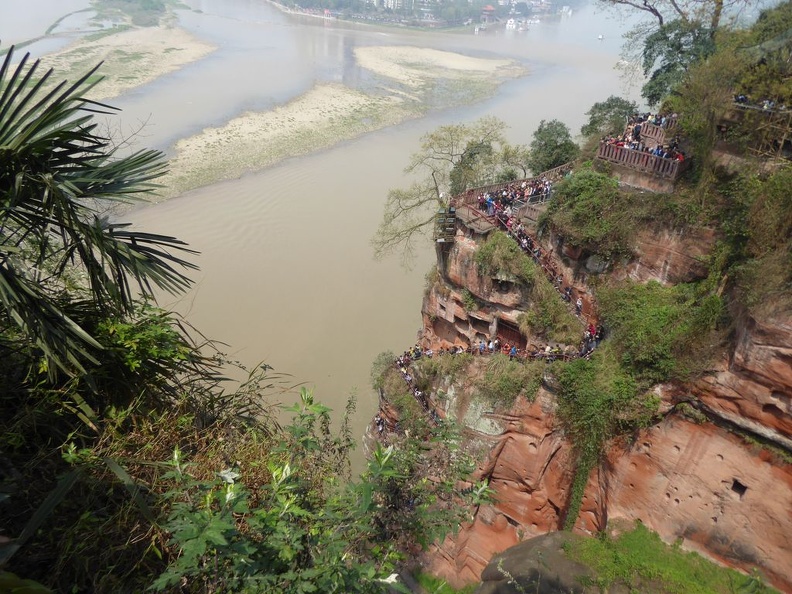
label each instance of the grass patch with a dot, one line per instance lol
(439, 367)
(642, 562)
(435, 585)
(504, 380)
(662, 333)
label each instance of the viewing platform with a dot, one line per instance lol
(465, 207)
(641, 169)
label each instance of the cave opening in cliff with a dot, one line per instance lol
(510, 334)
(444, 330)
(739, 488)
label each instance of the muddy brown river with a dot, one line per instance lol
(287, 275)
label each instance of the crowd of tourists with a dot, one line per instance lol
(504, 201)
(664, 120)
(634, 139)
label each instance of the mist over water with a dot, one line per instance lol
(287, 274)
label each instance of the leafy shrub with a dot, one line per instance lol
(500, 256)
(589, 211)
(469, 302)
(599, 399)
(548, 316)
(661, 333)
(382, 363)
(442, 367)
(761, 242)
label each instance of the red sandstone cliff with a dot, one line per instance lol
(698, 481)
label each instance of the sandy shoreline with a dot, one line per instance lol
(330, 113)
(132, 57)
(322, 117)
(412, 81)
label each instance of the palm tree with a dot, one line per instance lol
(60, 258)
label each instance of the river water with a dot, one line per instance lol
(287, 275)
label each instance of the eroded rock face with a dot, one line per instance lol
(696, 483)
(528, 468)
(669, 256)
(699, 483)
(754, 388)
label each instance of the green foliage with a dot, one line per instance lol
(57, 175)
(13, 584)
(639, 560)
(552, 145)
(548, 316)
(500, 257)
(435, 585)
(768, 49)
(382, 363)
(761, 242)
(503, 380)
(702, 100)
(286, 536)
(608, 117)
(669, 51)
(599, 399)
(464, 172)
(469, 301)
(589, 211)
(450, 158)
(661, 333)
(441, 367)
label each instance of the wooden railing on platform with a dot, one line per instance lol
(653, 132)
(641, 161)
(470, 197)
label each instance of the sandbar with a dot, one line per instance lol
(413, 66)
(132, 57)
(332, 113)
(322, 117)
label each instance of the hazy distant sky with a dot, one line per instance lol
(27, 19)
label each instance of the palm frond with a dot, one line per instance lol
(54, 168)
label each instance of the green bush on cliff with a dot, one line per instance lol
(548, 316)
(661, 333)
(500, 257)
(599, 399)
(588, 211)
(760, 239)
(444, 367)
